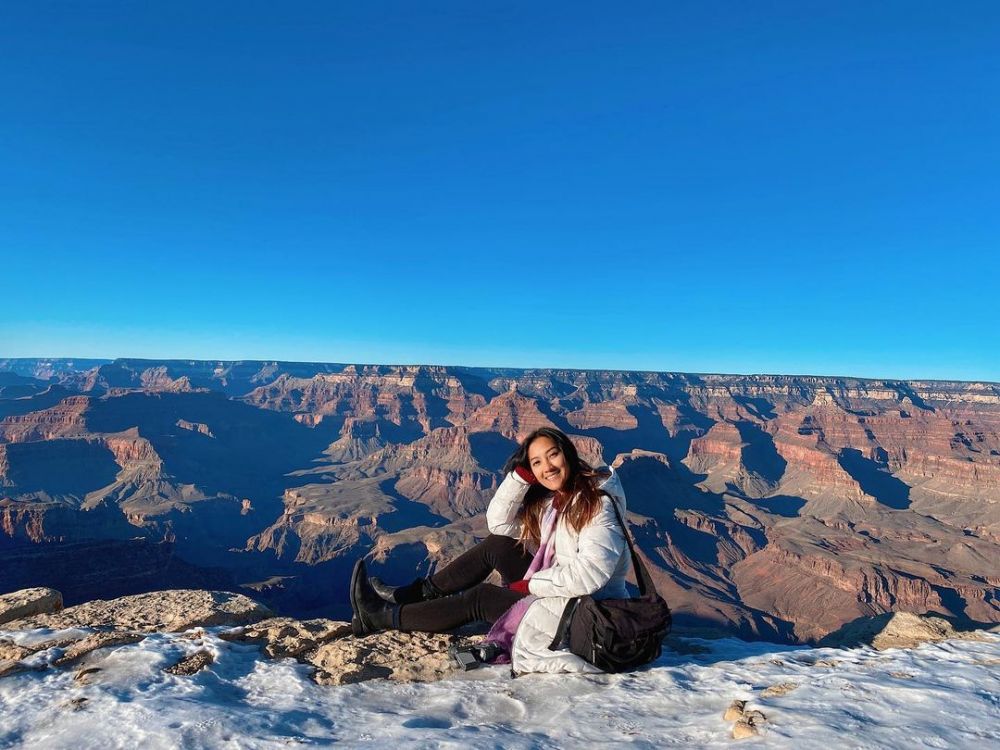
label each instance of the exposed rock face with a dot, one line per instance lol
(284, 637)
(814, 473)
(29, 602)
(406, 657)
(81, 648)
(358, 438)
(766, 505)
(322, 521)
(160, 610)
(71, 649)
(509, 414)
(191, 664)
(66, 419)
(104, 568)
(613, 414)
(394, 397)
(340, 658)
(894, 630)
(12, 652)
(134, 454)
(119, 622)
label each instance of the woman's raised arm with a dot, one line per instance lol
(501, 515)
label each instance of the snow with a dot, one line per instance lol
(943, 695)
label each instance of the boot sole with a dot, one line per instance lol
(357, 625)
(357, 628)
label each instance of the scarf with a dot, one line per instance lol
(503, 630)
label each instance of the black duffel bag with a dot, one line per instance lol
(616, 635)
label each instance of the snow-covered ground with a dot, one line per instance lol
(938, 696)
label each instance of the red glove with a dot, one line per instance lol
(525, 474)
(520, 587)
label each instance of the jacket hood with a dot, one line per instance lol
(613, 486)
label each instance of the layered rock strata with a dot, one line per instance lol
(766, 505)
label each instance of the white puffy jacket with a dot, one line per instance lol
(594, 561)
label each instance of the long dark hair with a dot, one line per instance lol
(581, 486)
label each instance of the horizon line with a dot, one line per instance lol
(111, 360)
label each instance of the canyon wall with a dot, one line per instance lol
(766, 505)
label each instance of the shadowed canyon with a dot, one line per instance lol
(777, 507)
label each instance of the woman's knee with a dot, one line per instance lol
(506, 556)
(500, 544)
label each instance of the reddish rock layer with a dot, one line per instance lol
(768, 505)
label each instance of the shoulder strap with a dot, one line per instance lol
(642, 577)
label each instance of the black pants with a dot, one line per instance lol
(467, 598)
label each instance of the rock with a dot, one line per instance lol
(747, 722)
(61, 642)
(76, 647)
(82, 677)
(95, 641)
(10, 667)
(10, 651)
(798, 448)
(28, 602)
(75, 704)
(392, 655)
(782, 688)
(743, 729)
(170, 611)
(989, 662)
(285, 637)
(735, 711)
(191, 663)
(894, 630)
(342, 659)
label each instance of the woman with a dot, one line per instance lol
(551, 502)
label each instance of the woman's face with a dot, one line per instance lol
(548, 463)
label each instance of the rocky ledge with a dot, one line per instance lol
(897, 630)
(51, 637)
(340, 658)
(167, 611)
(329, 646)
(28, 602)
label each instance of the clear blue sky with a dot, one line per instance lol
(790, 187)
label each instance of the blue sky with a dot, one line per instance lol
(784, 187)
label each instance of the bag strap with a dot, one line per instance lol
(564, 621)
(642, 577)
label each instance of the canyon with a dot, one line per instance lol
(768, 506)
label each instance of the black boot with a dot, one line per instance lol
(421, 590)
(371, 612)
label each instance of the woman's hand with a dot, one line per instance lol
(526, 474)
(520, 587)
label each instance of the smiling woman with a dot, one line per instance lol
(548, 463)
(554, 535)
(553, 462)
